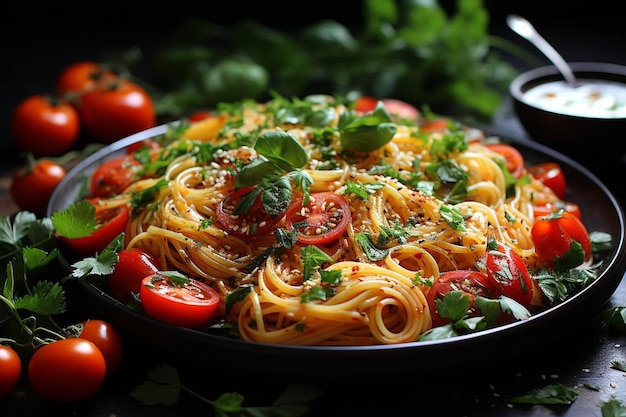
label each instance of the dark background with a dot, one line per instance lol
(38, 41)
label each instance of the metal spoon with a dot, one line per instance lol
(523, 28)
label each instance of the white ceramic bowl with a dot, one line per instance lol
(584, 133)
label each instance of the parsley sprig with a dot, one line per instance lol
(163, 387)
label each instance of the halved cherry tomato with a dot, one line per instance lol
(507, 271)
(107, 339)
(111, 222)
(115, 110)
(11, 370)
(513, 159)
(112, 177)
(70, 369)
(185, 303)
(541, 210)
(45, 126)
(324, 219)
(32, 185)
(553, 236)
(551, 175)
(81, 76)
(132, 267)
(395, 107)
(471, 283)
(255, 220)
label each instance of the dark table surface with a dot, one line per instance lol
(581, 357)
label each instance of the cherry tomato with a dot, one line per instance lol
(437, 125)
(200, 115)
(111, 222)
(32, 185)
(395, 107)
(541, 210)
(10, 370)
(471, 283)
(115, 110)
(107, 339)
(132, 267)
(113, 176)
(255, 220)
(81, 76)
(152, 144)
(507, 271)
(513, 159)
(551, 175)
(67, 370)
(553, 236)
(185, 303)
(45, 126)
(322, 220)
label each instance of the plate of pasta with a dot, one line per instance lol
(360, 232)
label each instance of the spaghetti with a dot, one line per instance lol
(422, 203)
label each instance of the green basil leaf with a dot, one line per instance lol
(368, 132)
(282, 149)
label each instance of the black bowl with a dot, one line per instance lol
(573, 135)
(601, 212)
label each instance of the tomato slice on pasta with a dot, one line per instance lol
(322, 220)
(255, 219)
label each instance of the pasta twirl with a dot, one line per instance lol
(421, 203)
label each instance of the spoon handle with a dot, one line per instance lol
(526, 30)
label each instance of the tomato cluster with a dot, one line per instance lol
(88, 98)
(69, 369)
(89, 101)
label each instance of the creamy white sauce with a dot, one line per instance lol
(591, 98)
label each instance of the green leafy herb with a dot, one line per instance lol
(368, 132)
(453, 217)
(362, 190)
(163, 387)
(372, 252)
(613, 408)
(78, 220)
(550, 394)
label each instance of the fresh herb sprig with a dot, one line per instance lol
(163, 387)
(412, 50)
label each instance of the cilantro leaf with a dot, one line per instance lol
(78, 220)
(453, 217)
(550, 394)
(46, 298)
(162, 388)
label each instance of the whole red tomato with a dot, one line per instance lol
(551, 175)
(554, 237)
(107, 339)
(10, 370)
(67, 370)
(114, 110)
(82, 76)
(45, 126)
(32, 185)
